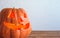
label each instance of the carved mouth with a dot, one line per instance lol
(14, 27)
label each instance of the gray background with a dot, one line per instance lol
(43, 14)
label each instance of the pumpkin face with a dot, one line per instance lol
(14, 23)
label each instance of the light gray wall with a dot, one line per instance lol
(43, 14)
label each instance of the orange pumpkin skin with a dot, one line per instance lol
(7, 16)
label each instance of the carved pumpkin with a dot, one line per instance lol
(14, 23)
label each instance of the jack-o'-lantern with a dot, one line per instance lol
(14, 23)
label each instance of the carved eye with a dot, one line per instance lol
(11, 15)
(20, 19)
